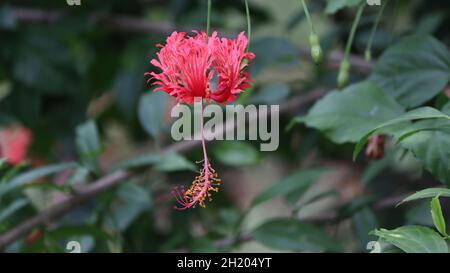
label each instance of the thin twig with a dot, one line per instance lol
(84, 193)
(63, 207)
(89, 191)
(130, 23)
(117, 22)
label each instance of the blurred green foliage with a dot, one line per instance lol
(74, 75)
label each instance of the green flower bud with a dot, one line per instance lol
(368, 55)
(343, 73)
(316, 50)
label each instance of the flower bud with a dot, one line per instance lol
(316, 50)
(368, 55)
(343, 73)
(375, 147)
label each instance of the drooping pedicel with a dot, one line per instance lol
(187, 64)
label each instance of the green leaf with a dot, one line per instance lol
(429, 141)
(79, 176)
(385, 247)
(427, 193)
(335, 5)
(174, 162)
(281, 51)
(131, 192)
(414, 239)
(236, 153)
(414, 70)
(165, 162)
(438, 218)
(299, 181)
(271, 93)
(419, 214)
(5, 89)
(88, 143)
(345, 116)
(12, 208)
(446, 108)
(127, 87)
(135, 200)
(140, 161)
(416, 114)
(126, 213)
(151, 112)
(363, 222)
(32, 175)
(290, 234)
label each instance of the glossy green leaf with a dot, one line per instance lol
(417, 114)
(419, 214)
(382, 246)
(438, 217)
(345, 116)
(290, 234)
(414, 239)
(427, 193)
(299, 181)
(414, 70)
(430, 144)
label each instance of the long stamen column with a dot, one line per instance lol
(204, 184)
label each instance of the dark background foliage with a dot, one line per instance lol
(74, 75)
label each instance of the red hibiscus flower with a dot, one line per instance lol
(14, 144)
(188, 64)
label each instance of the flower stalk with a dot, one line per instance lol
(344, 68)
(368, 51)
(314, 41)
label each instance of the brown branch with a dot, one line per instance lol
(135, 24)
(86, 192)
(64, 206)
(91, 190)
(119, 22)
